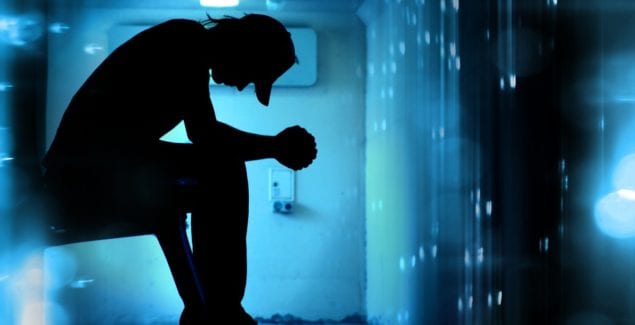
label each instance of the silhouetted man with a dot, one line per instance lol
(107, 156)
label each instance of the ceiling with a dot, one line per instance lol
(247, 5)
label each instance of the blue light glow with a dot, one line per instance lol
(624, 176)
(93, 48)
(5, 86)
(615, 214)
(58, 28)
(20, 31)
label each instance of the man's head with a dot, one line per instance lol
(253, 49)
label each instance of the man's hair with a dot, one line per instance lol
(210, 22)
(241, 27)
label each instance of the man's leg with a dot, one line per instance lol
(176, 248)
(214, 188)
(219, 229)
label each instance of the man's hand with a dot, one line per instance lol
(295, 148)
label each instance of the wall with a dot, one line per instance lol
(309, 264)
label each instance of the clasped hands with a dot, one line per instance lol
(295, 147)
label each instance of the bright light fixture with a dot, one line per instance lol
(219, 3)
(615, 214)
(626, 194)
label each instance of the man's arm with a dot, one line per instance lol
(244, 145)
(294, 147)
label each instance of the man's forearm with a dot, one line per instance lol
(246, 146)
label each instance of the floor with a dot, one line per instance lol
(291, 320)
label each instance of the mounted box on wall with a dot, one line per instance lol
(303, 74)
(282, 189)
(281, 184)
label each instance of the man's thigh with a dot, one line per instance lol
(170, 176)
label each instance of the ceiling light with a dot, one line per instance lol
(219, 3)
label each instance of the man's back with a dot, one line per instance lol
(141, 91)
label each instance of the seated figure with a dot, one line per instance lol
(107, 165)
